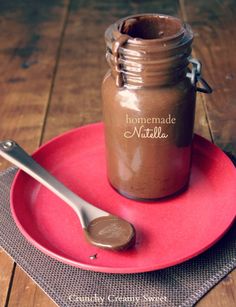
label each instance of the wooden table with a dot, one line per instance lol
(52, 65)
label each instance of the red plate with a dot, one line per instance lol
(168, 231)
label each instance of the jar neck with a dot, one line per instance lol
(148, 50)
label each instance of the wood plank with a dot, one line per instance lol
(201, 126)
(223, 295)
(28, 55)
(29, 41)
(26, 293)
(214, 25)
(6, 270)
(77, 89)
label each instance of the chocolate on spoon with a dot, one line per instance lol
(100, 228)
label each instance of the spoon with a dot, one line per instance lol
(100, 228)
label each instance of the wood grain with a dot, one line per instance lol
(52, 65)
(6, 270)
(223, 295)
(28, 54)
(30, 37)
(214, 25)
(25, 293)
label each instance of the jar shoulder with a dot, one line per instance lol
(177, 93)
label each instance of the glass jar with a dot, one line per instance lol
(149, 104)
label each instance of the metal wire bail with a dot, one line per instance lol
(195, 76)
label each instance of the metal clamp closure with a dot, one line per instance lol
(195, 76)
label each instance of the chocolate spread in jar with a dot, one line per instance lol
(148, 106)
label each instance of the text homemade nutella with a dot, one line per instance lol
(148, 105)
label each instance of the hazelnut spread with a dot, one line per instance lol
(148, 105)
(110, 232)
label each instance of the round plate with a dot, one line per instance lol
(168, 231)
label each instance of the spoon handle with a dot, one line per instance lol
(12, 152)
